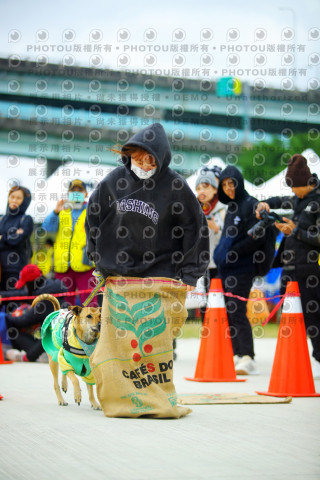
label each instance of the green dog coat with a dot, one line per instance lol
(60, 341)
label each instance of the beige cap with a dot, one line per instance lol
(77, 183)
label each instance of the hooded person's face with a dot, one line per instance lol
(143, 160)
(15, 199)
(228, 187)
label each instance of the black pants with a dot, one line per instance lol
(32, 346)
(210, 274)
(240, 328)
(309, 288)
(22, 340)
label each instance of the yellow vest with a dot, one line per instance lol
(44, 260)
(70, 247)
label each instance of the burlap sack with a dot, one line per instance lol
(133, 361)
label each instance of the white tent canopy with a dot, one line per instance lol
(55, 188)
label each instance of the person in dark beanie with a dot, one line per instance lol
(235, 258)
(299, 250)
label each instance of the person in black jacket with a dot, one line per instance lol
(235, 258)
(143, 220)
(299, 250)
(24, 346)
(15, 231)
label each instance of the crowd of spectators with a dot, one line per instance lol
(63, 266)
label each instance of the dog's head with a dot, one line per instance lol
(87, 323)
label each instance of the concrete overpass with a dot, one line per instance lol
(64, 113)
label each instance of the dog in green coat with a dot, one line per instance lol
(69, 337)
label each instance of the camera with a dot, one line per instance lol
(267, 219)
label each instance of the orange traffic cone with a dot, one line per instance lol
(291, 371)
(215, 359)
(2, 360)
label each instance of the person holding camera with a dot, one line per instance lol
(237, 258)
(71, 264)
(299, 250)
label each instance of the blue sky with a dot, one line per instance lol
(250, 40)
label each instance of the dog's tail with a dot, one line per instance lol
(47, 296)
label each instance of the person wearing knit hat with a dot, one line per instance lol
(207, 189)
(298, 173)
(207, 176)
(299, 251)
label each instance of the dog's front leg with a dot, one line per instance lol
(94, 404)
(76, 386)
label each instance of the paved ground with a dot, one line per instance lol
(39, 440)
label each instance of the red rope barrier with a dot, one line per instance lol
(228, 294)
(26, 297)
(271, 314)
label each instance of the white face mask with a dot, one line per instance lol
(141, 173)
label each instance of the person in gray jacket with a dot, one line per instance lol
(215, 212)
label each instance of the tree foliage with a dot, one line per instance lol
(264, 160)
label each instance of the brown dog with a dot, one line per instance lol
(69, 337)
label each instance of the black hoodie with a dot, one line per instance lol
(147, 228)
(13, 255)
(235, 251)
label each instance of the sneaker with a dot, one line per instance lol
(15, 355)
(236, 359)
(315, 369)
(246, 366)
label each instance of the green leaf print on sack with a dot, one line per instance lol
(124, 318)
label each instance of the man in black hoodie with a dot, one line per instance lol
(299, 251)
(235, 258)
(143, 220)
